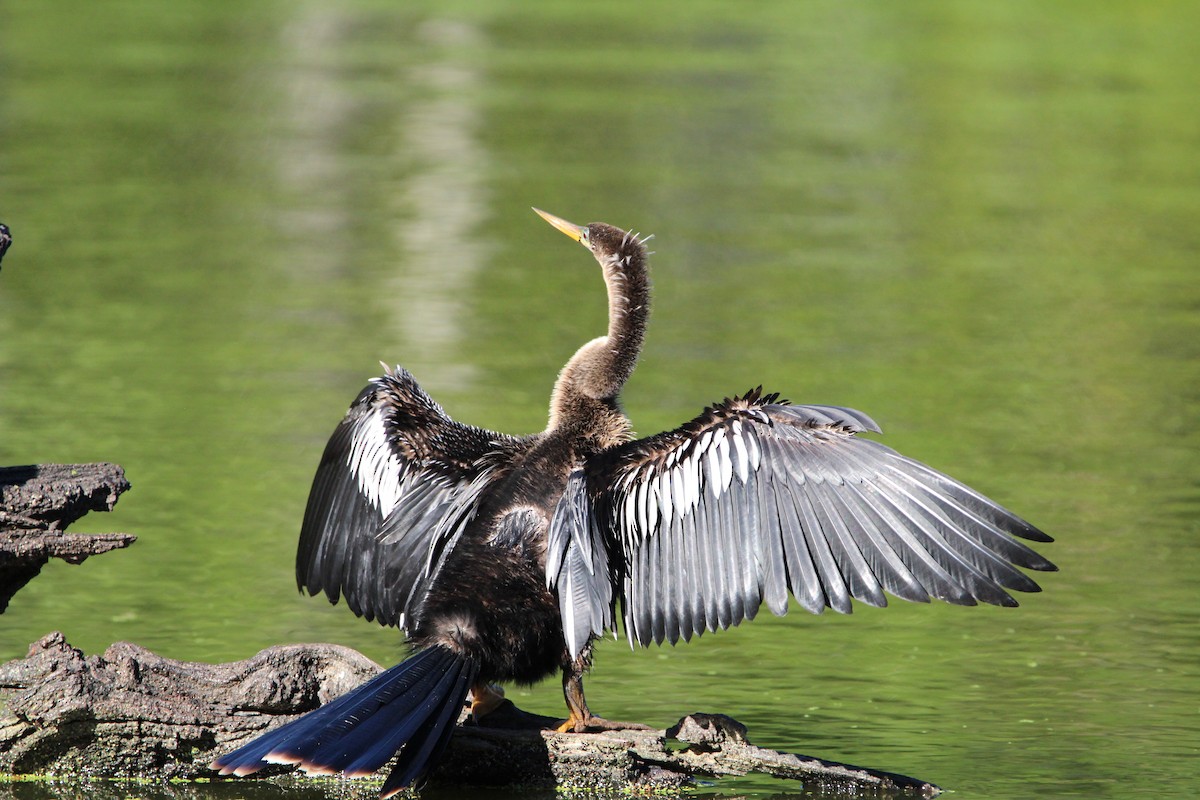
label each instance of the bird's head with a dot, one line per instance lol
(600, 368)
(611, 246)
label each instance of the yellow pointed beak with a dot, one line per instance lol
(576, 232)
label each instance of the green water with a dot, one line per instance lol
(976, 221)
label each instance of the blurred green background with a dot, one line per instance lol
(977, 221)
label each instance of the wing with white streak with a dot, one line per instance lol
(577, 567)
(397, 482)
(756, 498)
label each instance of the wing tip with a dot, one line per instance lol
(1033, 534)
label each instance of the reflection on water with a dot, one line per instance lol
(975, 223)
(313, 113)
(442, 203)
(329, 790)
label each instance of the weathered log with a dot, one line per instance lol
(38, 502)
(55, 495)
(130, 712)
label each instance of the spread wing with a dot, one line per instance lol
(397, 483)
(756, 498)
(577, 566)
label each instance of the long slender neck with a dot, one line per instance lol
(593, 377)
(628, 282)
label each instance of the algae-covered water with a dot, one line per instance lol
(975, 221)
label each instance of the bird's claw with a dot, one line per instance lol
(594, 724)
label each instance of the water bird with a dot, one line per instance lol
(503, 558)
(5, 240)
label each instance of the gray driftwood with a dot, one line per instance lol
(130, 712)
(38, 502)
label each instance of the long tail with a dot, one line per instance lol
(414, 704)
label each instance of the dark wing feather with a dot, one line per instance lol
(756, 498)
(397, 482)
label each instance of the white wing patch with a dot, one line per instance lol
(373, 463)
(656, 495)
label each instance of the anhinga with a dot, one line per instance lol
(503, 557)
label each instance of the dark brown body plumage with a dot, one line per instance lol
(508, 621)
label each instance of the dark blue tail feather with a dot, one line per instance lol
(373, 740)
(414, 704)
(425, 746)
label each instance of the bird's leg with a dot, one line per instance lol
(485, 699)
(581, 719)
(579, 713)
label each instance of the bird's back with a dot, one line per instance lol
(490, 598)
